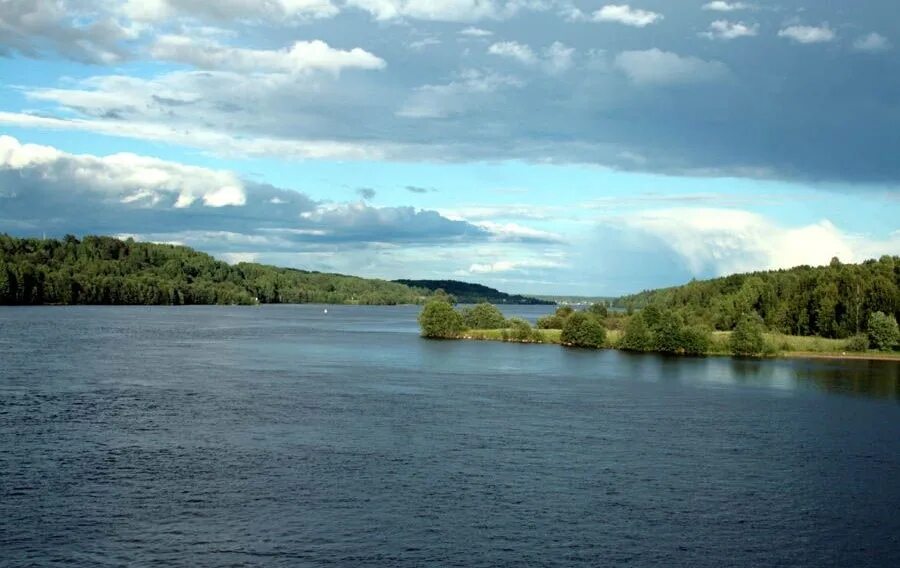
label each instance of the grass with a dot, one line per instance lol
(779, 344)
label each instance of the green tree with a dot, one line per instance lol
(651, 315)
(667, 333)
(483, 316)
(747, 337)
(583, 330)
(696, 340)
(598, 310)
(439, 320)
(637, 336)
(883, 331)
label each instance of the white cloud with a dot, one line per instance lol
(556, 58)
(446, 10)
(211, 140)
(301, 56)
(127, 178)
(872, 43)
(476, 32)
(227, 10)
(808, 34)
(512, 266)
(656, 67)
(727, 241)
(722, 6)
(76, 31)
(517, 232)
(723, 29)
(625, 14)
(514, 50)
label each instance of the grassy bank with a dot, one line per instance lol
(780, 345)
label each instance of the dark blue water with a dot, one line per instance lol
(282, 436)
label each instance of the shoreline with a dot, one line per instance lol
(553, 339)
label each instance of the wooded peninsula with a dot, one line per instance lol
(832, 309)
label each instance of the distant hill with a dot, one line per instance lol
(109, 271)
(468, 293)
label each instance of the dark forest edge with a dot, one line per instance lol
(469, 293)
(109, 271)
(840, 310)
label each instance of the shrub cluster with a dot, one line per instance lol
(663, 331)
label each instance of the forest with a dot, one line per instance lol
(468, 293)
(834, 301)
(106, 270)
(833, 309)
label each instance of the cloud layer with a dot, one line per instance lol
(472, 80)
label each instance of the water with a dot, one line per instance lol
(284, 436)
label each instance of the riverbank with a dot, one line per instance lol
(784, 346)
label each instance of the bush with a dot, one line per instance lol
(483, 316)
(439, 320)
(883, 331)
(857, 343)
(520, 330)
(583, 330)
(550, 322)
(565, 311)
(667, 336)
(637, 337)
(747, 337)
(696, 340)
(556, 320)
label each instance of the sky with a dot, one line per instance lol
(537, 146)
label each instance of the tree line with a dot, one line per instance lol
(106, 270)
(748, 310)
(834, 301)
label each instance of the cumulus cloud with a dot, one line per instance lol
(715, 242)
(514, 50)
(126, 178)
(657, 67)
(722, 6)
(302, 56)
(45, 189)
(625, 14)
(71, 30)
(723, 29)
(872, 42)
(808, 34)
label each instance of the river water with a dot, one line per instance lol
(285, 436)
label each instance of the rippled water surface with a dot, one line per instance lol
(284, 436)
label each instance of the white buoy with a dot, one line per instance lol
(326, 310)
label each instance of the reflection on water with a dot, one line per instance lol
(879, 379)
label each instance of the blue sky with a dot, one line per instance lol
(539, 146)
